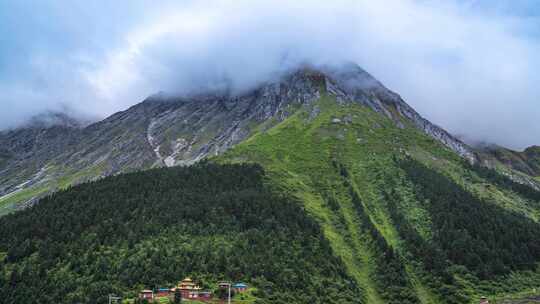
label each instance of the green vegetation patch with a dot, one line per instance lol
(307, 156)
(301, 154)
(8, 203)
(487, 239)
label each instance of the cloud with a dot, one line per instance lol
(470, 66)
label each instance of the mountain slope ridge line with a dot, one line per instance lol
(169, 131)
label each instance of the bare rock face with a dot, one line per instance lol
(167, 131)
(24, 152)
(201, 126)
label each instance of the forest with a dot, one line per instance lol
(153, 228)
(485, 238)
(505, 182)
(390, 274)
(223, 222)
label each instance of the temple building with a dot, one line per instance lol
(191, 290)
(146, 294)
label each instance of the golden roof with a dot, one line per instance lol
(187, 283)
(189, 287)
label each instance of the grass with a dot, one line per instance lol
(485, 190)
(68, 180)
(298, 152)
(10, 202)
(298, 155)
(346, 242)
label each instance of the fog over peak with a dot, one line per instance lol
(469, 66)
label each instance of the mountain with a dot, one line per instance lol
(527, 161)
(322, 187)
(166, 131)
(25, 152)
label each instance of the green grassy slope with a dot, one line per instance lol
(300, 155)
(66, 179)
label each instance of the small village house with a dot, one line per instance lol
(146, 294)
(204, 296)
(240, 287)
(162, 292)
(188, 289)
(484, 300)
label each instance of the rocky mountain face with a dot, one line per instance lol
(164, 131)
(26, 150)
(526, 161)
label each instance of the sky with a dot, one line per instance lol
(471, 67)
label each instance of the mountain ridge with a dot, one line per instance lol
(526, 161)
(168, 131)
(405, 218)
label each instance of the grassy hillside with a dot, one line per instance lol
(342, 163)
(153, 228)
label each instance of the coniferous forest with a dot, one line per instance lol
(390, 274)
(153, 228)
(489, 240)
(505, 182)
(216, 222)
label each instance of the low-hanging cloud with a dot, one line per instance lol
(469, 66)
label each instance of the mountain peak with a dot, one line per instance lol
(347, 82)
(350, 83)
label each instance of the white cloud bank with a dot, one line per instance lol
(474, 72)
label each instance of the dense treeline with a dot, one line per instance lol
(390, 274)
(505, 182)
(434, 265)
(485, 238)
(153, 228)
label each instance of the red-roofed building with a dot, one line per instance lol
(162, 292)
(192, 291)
(146, 294)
